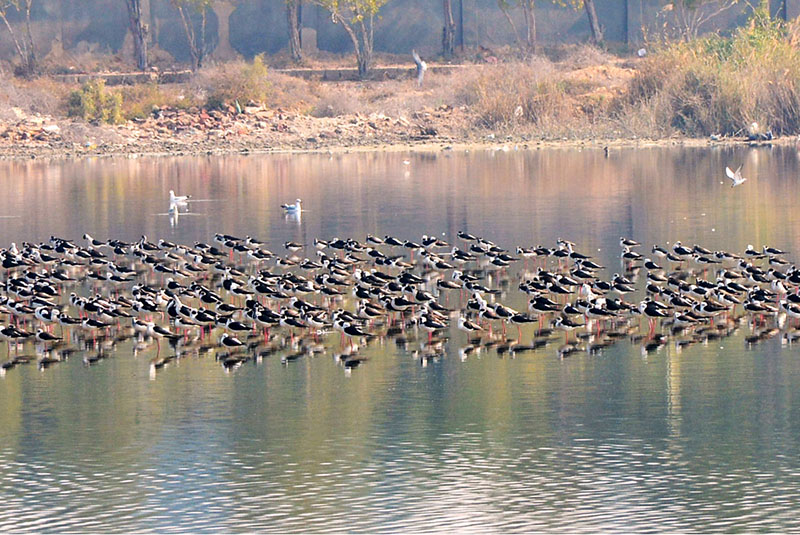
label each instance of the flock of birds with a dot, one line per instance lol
(243, 302)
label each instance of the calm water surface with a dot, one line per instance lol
(703, 439)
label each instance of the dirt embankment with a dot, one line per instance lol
(169, 130)
(198, 131)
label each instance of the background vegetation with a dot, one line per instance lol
(744, 81)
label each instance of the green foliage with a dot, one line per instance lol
(357, 18)
(16, 5)
(93, 102)
(574, 4)
(694, 5)
(359, 8)
(138, 101)
(197, 5)
(243, 84)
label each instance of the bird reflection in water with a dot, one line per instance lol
(294, 217)
(175, 213)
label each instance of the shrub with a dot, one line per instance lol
(519, 93)
(717, 85)
(140, 100)
(94, 103)
(238, 82)
(337, 104)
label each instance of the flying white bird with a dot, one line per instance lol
(421, 67)
(736, 177)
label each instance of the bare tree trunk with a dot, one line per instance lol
(197, 44)
(362, 62)
(449, 33)
(292, 15)
(594, 23)
(361, 35)
(363, 54)
(202, 45)
(32, 61)
(504, 7)
(188, 28)
(24, 45)
(138, 30)
(23, 56)
(367, 40)
(530, 25)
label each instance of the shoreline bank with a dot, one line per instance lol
(71, 151)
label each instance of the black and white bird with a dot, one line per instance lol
(565, 324)
(12, 334)
(468, 326)
(772, 251)
(430, 325)
(230, 341)
(350, 330)
(44, 336)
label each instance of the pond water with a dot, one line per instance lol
(704, 437)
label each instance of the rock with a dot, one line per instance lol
(428, 131)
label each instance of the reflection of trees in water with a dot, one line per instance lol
(526, 197)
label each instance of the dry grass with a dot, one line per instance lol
(394, 98)
(36, 96)
(582, 56)
(288, 92)
(534, 95)
(713, 85)
(336, 103)
(719, 86)
(236, 82)
(138, 101)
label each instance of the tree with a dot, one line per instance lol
(138, 30)
(594, 22)
(529, 43)
(357, 17)
(293, 18)
(198, 47)
(24, 46)
(449, 31)
(689, 16)
(591, 14)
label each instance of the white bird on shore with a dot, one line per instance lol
(736, 177)
(292, 208)
(421, 67)
(178, 199)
